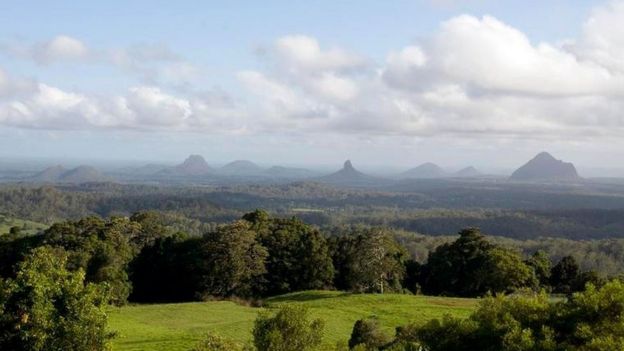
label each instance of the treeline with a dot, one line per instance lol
(142, 259)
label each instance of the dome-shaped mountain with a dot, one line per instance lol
(83, 174)
(241, 167)
(545, 167)
(193, 165)
(426, 170)
(467, 172)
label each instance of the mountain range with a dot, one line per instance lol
(543, 167)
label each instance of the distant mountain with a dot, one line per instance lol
(348, 175)
(545, 167)
(83, 174)
(51, 174)
(426, 170)
(193, 165)
(289, 172)
(468, 172)
(241, 167)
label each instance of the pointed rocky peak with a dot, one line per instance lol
(348, 166)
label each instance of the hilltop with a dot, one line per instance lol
(545, 167)
(426, 170)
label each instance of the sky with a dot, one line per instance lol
(383, 83)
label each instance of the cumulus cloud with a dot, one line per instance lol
(152, 63)
(147, 108)
(472, 78)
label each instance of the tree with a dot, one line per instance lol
(289, 329)
(46, 307)
(366, 332)
(471, 266)
(564, 274)
(541, 264)
(370, 260)
(298, 254)
(232, 261)
(506, 272)
(101, 248)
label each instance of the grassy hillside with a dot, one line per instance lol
(28, 227)
(179, 326)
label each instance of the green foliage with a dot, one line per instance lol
(103, 249)
(541, 264)
(46, 307)
(368, 334)
(298, 254)
(289, 329)
(472, 266)
(232, 261)
(589, 320)
(369, 260)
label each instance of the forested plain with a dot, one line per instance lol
(97, 245)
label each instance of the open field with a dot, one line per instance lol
(179, 326)
(27, 227)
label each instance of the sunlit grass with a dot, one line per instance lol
(179, 326)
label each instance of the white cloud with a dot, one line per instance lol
(60, 48)
(473, 78)
(602, 40)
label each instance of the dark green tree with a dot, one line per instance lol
(564, 275)
(368, 334)
(233, 262)
(541, 264)
(298, 254)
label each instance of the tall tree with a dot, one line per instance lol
(233, 261)
(370, 260)
(298, 254)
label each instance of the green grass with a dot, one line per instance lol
(28, 227)
(179, 326)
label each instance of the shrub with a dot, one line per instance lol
(289, 329)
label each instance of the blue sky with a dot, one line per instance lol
(316, 82)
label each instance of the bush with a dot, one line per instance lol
(289, 329)
(367, 333)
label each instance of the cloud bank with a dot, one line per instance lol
(473, 77)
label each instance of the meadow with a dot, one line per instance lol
(178, 327)
(26, 226)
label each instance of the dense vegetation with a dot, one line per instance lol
(595, 211)
(94, 249)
